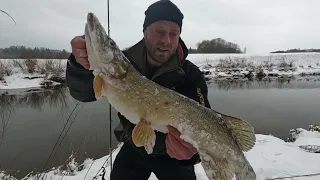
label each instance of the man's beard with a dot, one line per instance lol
(152, 53)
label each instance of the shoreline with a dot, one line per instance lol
(269, 158)
(15, 73)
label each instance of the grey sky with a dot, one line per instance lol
(261, 26)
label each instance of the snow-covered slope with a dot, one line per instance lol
(271, 157)
(275, 65)
(20, 73)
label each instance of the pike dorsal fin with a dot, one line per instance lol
(242, 131)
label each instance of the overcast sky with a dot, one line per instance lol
(261, 26)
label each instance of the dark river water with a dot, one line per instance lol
(33, 121)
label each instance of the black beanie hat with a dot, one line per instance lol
(162, 10)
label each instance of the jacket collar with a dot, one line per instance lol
(138, 55)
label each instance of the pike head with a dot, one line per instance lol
(104, 54)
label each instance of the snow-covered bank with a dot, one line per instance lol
(17, 75)
(271, 157)
(30, 73)
(243, 65)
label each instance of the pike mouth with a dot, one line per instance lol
(90, 17)
(89, 25)
(90, 20)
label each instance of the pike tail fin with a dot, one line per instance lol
(228, 166)
(216, 168)
(245, 171)
(225, 168)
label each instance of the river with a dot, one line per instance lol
(33, 121)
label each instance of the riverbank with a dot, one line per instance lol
(271, 157)
(235, 66)
(31, 73)
(26, 73)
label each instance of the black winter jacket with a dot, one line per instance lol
(177, 73)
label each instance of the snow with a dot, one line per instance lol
(215, 66)
(21, 79)
(271, 157)
(18, 80)
(307, 138)
(239, 65)
(300, 58)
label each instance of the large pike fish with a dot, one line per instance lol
(220, 139)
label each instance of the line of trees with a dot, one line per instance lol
(217, 45)
(22, 52)
(297, 50)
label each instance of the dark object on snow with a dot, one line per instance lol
(311, 148)
(33, 77)
(57, 79)
(46, 84)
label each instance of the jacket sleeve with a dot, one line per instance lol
(79, 81)
(197, 90)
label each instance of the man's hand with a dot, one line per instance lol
(79, 50)
(178, 148)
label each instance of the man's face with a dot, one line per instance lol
(161, 39)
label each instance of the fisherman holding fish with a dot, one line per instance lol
(161, 57)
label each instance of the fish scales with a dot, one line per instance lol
(219, 138)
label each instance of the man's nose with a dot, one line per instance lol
(166, 38)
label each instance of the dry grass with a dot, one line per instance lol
(229, 63)
(47, 67)
(26, 66)
(31, 65)
(5, 70)
(237, 62)
(19, 65)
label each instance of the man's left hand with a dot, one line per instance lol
(178, 148)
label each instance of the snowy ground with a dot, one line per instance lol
(214, 66)
(14, 74)
(271, 158)
(275, 65)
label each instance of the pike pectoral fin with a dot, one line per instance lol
(98, 85)
(144, 135)
(242, 131)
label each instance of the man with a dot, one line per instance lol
(160, 56)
